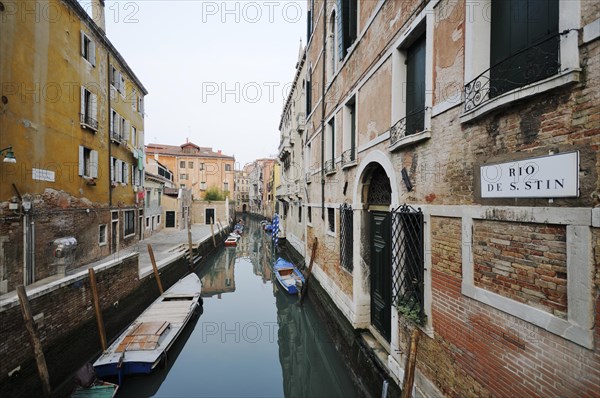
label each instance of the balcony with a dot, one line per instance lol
(329, 166)
(301, 122)
(115, 136)
(409, 129)
(88, 122)
(348, 158)
(530, 65)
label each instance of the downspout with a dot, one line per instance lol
(109, 133)
(324, 58)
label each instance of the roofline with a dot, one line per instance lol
(84, 16)
(293, 88)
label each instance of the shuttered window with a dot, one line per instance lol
(347, 25)
(524, 43)
(415, 87)
(88, 113)
(88, 49)
(88, 162)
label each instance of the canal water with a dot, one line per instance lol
(251, 339)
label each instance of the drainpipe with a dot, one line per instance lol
(324, 58)
(109, 132)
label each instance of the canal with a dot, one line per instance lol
(251, 339)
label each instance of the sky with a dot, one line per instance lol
(217, 72)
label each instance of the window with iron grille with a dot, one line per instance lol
(346, 236)
(408, 263)
(129, 223)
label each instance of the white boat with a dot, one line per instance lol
(146, 341)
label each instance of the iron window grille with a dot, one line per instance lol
(408, 263)
(411, 124)
(346, 236)
(524, 67)
(329, 166)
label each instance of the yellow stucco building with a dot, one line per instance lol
(72, 114)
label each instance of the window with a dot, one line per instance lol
(116, 79)
(134, 137)
(226, 186)
(124, 173)
(227, 167)
(201, 166)
(203, 185)
(117, 127)
(148, 197)
(147, 222)
(88, 116)
(88, 49)
(183, 176)
(158, 220)
(308, 91)
(88, 162)
(190, 165)
(299, 214)
(182, 164)
(349, 141)
(531, 46)
(415, 87)
(347, 26)
(102, 235)
(346, 236)
(159, 193)
(140, 105)
(331, 220)
(309, 214)
(329, 165)
(121, 87)
(524, 43)
(331, 47)
(115, 170)
(309, 20)
(129, 223)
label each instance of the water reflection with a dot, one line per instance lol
(252, 339)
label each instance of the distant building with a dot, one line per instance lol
(73, 118)
(261, 186)
(196, 168)
(156, 179)
(242, 199)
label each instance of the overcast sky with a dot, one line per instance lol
(216, 71)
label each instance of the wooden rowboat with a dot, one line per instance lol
(290, 278)
(146, 341)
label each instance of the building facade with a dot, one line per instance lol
(157, 177)
(242, 198)
(263, 178)
(291, 191)
(73, 116)
(196, 168)
(452, 175)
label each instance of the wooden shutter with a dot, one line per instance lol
(82, 35)
(112, 121)
(112, 168)
(92, 53)
(81, 161)
(340, 30)
(126, 133)
(94, 106)
(126, 172)
(94, 164)
(82, 108)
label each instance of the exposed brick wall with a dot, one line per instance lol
(524, 262)
(446, 245)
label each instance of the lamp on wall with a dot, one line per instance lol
(10, 155)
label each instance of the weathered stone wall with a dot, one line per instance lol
(524, 262)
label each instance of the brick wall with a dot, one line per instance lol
(478, 351)
(524, 262)
(328, 258)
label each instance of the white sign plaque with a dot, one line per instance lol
(553, 176)
(43, 175)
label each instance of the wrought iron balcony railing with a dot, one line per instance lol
(115, 136)
(88, 121)
(348, 156)
(527, 66)
(411, 124)
(329, 166)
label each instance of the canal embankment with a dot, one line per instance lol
(63, 309)
(369, 373)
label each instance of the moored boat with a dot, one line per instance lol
(145, 342)
(290, 277)
(231, 241)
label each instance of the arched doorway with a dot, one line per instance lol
(378, 198)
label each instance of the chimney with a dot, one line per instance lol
(98, 14)
(219, 152)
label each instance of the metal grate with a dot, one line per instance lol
(346, 236)
(329, 166)
(348, 156)
(413, 123)
(408, 263)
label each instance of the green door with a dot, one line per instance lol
(381, 273)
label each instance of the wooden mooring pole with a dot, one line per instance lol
(190, 244)
(409, 367)
(98, 309)
(304, 290)
(212, 232)
(155, 268)
(35, 341)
